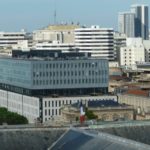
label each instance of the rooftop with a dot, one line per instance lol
(61, 27)
(138, 92)
(100, 104)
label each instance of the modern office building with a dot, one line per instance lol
(141, 20)
(126, 23)
(57, 76)
(37, 87)
(98, 41)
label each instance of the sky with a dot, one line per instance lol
(35, 14)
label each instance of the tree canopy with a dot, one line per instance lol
(11, 118)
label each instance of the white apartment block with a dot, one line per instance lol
(95, 40)
(9, 39)
(133, 52)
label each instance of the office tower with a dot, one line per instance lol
(141, 21)
(126, 23)
(95, 40)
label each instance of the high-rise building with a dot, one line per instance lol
(126, 23)
(141, 21)
(95, 40)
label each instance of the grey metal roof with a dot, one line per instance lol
(84, 140)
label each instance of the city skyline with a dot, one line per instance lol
(32, 15)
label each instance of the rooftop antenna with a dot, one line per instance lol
(55, 13)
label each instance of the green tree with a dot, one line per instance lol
(11, 118)
(90, 115)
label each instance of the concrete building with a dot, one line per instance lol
(141, 21)
(38, 87)
(139, 99)
(126, 23)
(133, 52)
(60, 33)
(146, 44)
(119, 41)
(145, 67)
(98, 41)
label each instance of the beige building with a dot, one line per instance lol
(70, 113)
(140, 103)
(60, 33)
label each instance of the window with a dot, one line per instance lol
(68, 73)
(68, 65)
(65, 81)
(64, 65)
(45, 104)
(64, 73)
(82, 65)
(68, 81)
(47, 74)
(45, 112)
(56, 111)
(46, 65)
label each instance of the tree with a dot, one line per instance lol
(11, 118)
(90, 115)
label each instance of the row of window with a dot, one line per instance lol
(69, 73)
(67, 65)
(69, 81)
(52, 112)
(56, 103)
